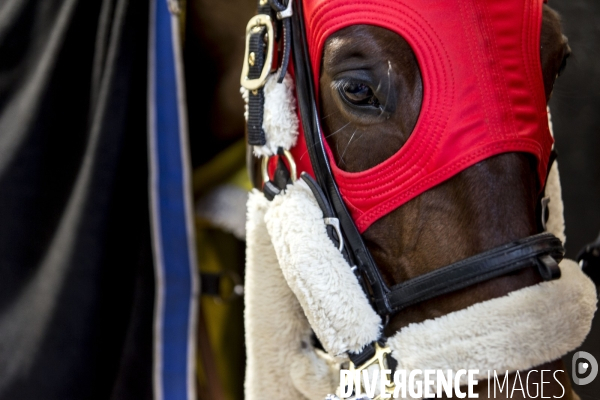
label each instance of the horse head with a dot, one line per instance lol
(491, 203)
(427, 130)
(371, 94)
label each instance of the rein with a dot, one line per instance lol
(283, 23)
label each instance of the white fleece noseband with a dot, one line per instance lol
(318, 275)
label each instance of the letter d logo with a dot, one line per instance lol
(581, 368)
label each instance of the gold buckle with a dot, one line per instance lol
(290, 160)
(379, 358)
(255, 23)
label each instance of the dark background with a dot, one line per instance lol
(575, 107)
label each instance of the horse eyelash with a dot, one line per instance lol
(338, 85)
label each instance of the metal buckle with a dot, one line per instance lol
(287, 12)
(335, 223)
(256, 22)
(380, 358)
(290, 160)
(544, 202)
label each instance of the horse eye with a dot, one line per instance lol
(359, 94)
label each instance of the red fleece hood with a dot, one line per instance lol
(483, 92)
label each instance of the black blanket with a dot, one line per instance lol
(76, 279)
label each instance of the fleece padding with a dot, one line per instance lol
(281, 362)
(521, 330)
(274, 321)
(333, 301)
(280, 121)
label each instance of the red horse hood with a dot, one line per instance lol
(483, 91)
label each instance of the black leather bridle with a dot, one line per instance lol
(542, 251)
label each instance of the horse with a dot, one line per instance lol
(490, 203)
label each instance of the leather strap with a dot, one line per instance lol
(256, 98)
(280, 7)
(525, 253)
(257, 50)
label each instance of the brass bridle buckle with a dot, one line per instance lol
(379, 359)
(256, 23)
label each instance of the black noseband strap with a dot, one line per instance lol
(543, 251)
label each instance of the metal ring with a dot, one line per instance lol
(291, 163)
